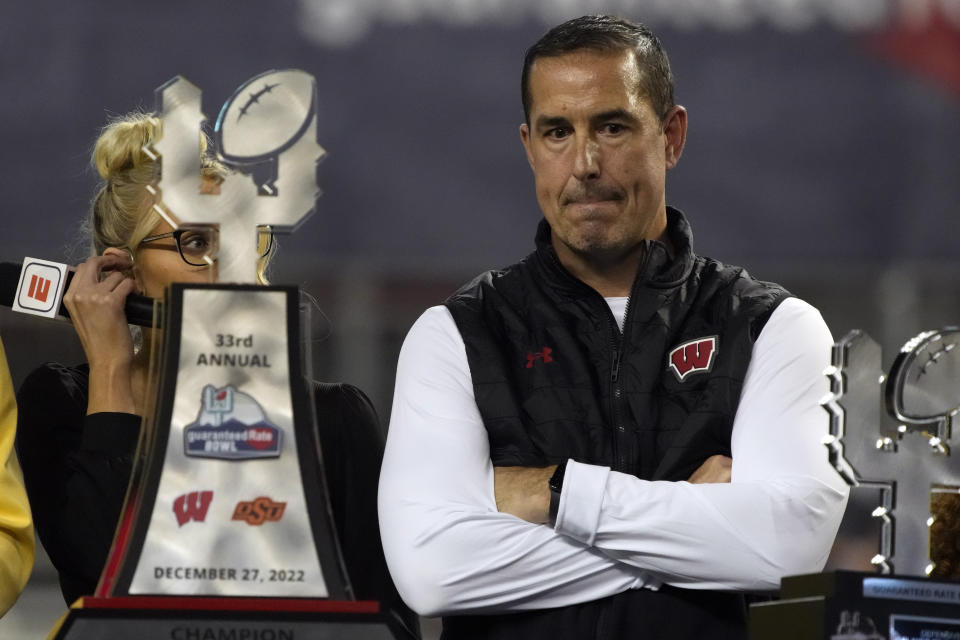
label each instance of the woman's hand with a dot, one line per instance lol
(95, 300)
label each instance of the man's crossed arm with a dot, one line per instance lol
(523, 491)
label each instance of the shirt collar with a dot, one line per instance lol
(658, 268)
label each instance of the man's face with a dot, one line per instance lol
(599, 153)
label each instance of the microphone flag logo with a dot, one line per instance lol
(41, 287)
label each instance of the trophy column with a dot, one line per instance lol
(230, 500)
(226, 528)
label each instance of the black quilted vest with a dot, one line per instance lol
(555, 378)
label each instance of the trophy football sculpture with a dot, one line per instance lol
(895, 433)
(227, 519)
(891, 434)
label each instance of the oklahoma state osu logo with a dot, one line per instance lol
(192, 506)
(693, 357)
(256, 512)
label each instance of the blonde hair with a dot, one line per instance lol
(122, 211)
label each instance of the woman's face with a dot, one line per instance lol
(158, 264)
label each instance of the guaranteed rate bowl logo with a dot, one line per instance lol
(231, 426)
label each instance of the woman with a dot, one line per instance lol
(78, 426)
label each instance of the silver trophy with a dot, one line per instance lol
(229, 497)
(894, 433)
(889, 436)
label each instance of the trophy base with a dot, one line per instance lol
(193, 618)
(848, 605)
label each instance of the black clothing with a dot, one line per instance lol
(555, 378)
(76, 469)
(640, 614)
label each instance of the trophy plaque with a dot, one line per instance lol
(226, 530)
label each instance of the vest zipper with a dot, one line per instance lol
(616, 347)
(617, 338)
(619, 429)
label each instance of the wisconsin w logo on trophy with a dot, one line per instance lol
(192, 506)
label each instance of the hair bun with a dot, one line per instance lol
(120, 145)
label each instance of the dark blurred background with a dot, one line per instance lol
(822, 153)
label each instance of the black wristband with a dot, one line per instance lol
(556, 486)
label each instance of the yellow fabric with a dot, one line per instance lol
(63, 618)
(16, 525)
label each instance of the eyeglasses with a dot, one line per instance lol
(198, 246)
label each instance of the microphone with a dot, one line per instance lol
(138, 309)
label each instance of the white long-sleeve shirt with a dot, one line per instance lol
(450, 551)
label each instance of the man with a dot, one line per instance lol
(16, 527)
(614, 437)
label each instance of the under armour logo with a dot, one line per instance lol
(539, 355)
(693, 356)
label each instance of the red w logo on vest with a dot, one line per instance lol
(693, 356)
(192, 506)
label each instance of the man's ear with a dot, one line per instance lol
(525, 139)
(674, 135)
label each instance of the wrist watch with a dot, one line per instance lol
(556, 486)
